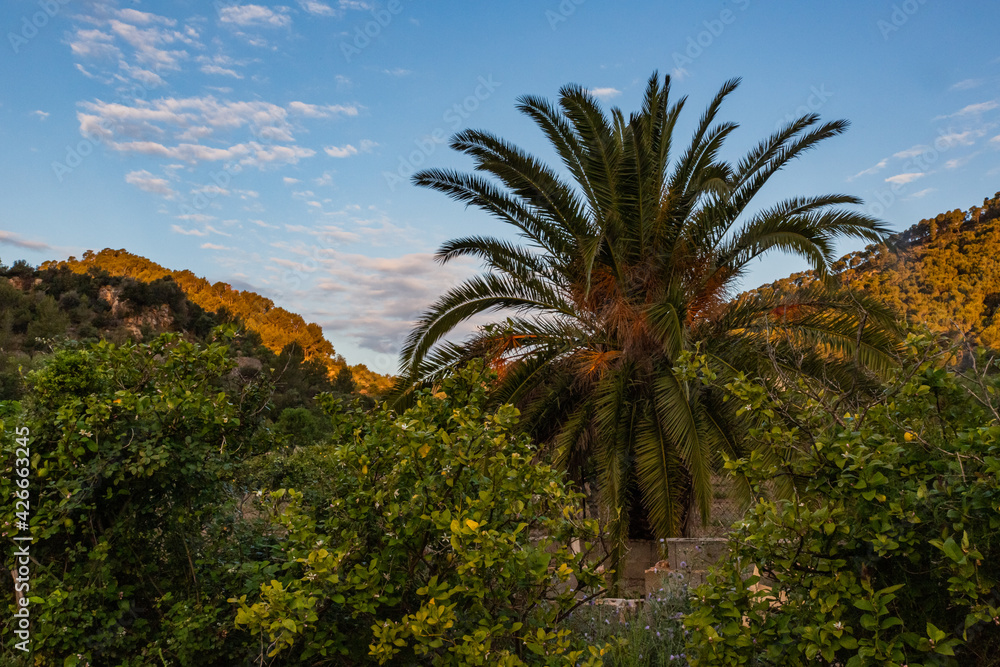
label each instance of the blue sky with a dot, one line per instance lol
(268, 145)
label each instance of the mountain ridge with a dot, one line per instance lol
(277, 326)
(942, 272)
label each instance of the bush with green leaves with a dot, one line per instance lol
(135, 454)
(888, 550)
(447, 542)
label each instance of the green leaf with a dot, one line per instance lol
(952, 550)
(934, 633)
(864, 605)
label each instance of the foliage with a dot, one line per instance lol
(39, 308)
(624, 266)
(649, 633)
(446, 542)
(277, 327)
(889, 553)
(135, 450)
(943, 273)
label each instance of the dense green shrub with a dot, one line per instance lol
(135, 451)
(446, 542)
(888, 552)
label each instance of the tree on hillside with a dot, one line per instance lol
(623, 268)
(942, 273)
(277, 327)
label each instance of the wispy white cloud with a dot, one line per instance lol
(397, 71)
(871, 170)
(380, 298)
(911, 152)
(147, 127)
(958, 162)
(341, 151)
(903, 179)
(922, 193)
(143, 45)
(198, 217)
(966, 138)
(255, 16)
(144, 76)
(214, 68)
(972, 109)
(42, 115)
(177, 229)
(265, 225)
(211, 190)
(322, 111)
(317, 8)
(214, 246)
(144, 18)
(147, 44)
(16, 240)
(967, 84)
(348, 150)
(605, 93)
(94, 44)
(84, 71)
(147, 182)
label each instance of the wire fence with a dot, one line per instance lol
(726, 510)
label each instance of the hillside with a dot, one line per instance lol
(58, 301)
(943, 272)
(276, 326)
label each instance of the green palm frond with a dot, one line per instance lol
(627, 257)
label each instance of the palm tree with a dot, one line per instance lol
(623, 267)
